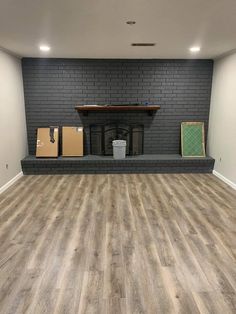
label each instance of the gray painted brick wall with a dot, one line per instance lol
(181, 87)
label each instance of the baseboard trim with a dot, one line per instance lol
(227, 181)
(12, 181)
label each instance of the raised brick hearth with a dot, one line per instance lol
(106, 164)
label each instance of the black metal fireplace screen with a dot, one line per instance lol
(101, 137)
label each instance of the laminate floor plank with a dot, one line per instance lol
(118, 244)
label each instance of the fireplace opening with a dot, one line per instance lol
(101, 137)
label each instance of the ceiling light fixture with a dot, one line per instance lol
(195, 49)
(130, 22)
(143, 44)
(44, 48)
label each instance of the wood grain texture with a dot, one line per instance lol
(139, 243)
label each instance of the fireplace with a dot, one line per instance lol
(101, 137)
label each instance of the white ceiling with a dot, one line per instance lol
(98, 29)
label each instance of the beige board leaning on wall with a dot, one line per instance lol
(47, 142)
(72, 141)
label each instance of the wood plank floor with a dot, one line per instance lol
(161, 243)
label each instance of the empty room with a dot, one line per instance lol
(117, 157)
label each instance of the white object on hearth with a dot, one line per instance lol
(119, 149)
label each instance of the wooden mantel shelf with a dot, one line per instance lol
(85, 109)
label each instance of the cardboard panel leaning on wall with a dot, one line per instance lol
(13, 136)
(47, 142)
(72, 141)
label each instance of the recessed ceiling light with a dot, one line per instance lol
(130, 22)
(44, 48)
(195, 49)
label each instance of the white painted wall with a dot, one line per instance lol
(13, 138)
(222, 124)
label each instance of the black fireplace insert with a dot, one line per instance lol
(101, 137)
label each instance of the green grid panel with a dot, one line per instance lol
(193, 140)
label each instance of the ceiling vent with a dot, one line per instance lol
(143, 44)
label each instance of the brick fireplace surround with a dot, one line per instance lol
(53, 87)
